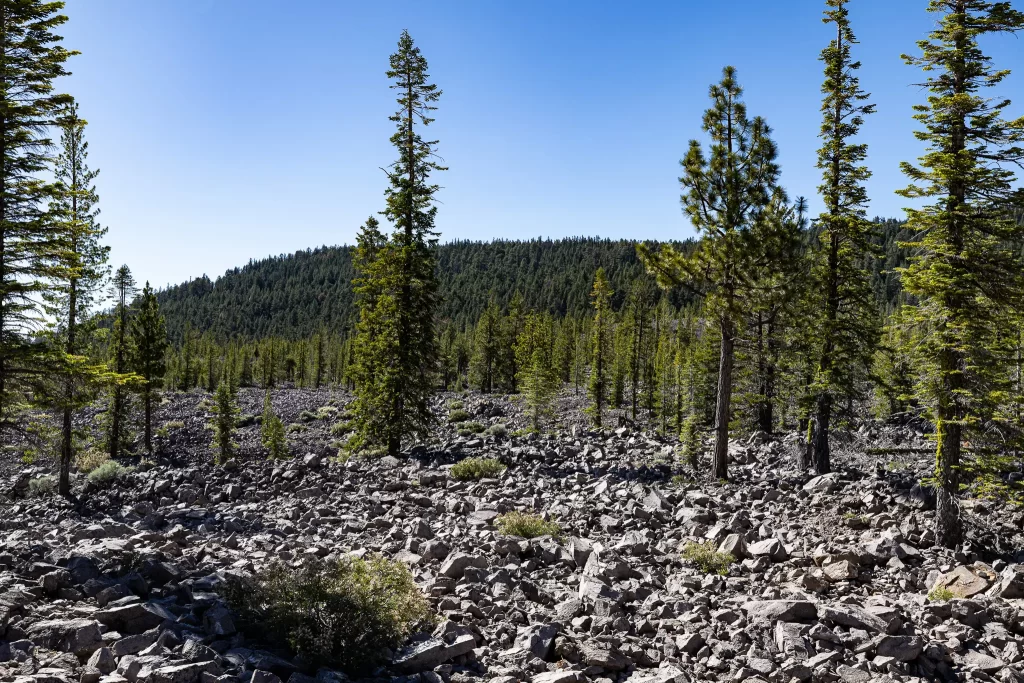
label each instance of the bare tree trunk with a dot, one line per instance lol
(724, 405)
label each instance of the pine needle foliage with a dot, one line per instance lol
(149, 348)
(965, 271)
(602, 339)
(30, 243)
(272, 431)
(224, 424)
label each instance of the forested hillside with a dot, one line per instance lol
(293, 296)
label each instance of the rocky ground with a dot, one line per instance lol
(831, 584)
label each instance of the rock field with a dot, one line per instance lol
(831, 583)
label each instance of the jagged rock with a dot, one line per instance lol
(963, 582)
(77, 636)
(771, 548)
(780, 610)
(900, 648)
(134, 618)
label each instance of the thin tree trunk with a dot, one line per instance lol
(724, 404)
(948, 524)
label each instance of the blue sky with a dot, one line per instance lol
(234, 129)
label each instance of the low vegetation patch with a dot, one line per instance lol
(525, 525)
(297, 428)
(458, 415)
(456, 405)
(107, 473)
(90, 459)
(326, 413)
(472, 469)
(340, 428)
(499, 430)
(941, 594)
(308, 416)
(345, 614)
(705, 556)
(470, 428)
(41, 486)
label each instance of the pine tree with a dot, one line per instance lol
(538, 376)
(638, 319)
(392, 396)
(847, 323)
(723, 195)
(513, 326)
(601, 345)
(486, 360)
(272, 431)
(964, 271)
(149, 343)
(123, 291)
(225, 421)
(30, 251)
(70, 302)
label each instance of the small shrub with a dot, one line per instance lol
(499, 430)
(107, 473)
(681, 480)
(340, 428)
(89, 460)
(326, 413)
(941, 594)
(307, 416)
(472, 427)
(477, 468)
(526, 525)
(706, 557)
(41, 486)
(456, 405)
(246, 421)
(272, 431)
(458, 416)
(344, 614)
(296, 428)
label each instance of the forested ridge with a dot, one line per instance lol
(292, 296)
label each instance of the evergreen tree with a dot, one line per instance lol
(70, 301)
(847, 321)
(513, 328)
(486, 360)
(225, 421)
(538, 376)
(638, 320)
(723, 195)
(964, 271)
(149, 342)
(392, 397)
(123, 291)
(272, 431)
(30, 243)
(601, 346)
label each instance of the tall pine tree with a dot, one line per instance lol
(602, 333)
(724, 195)
(123, 291)
(149, 346)
(847, 331)
(965, 271)
(31, 59)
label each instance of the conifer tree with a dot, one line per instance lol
(846, 322)
(601, 346)
(724, 195)
(225, 422)
(487, 348)
(538, 376)
(392, 398)
(149, 345)
(30, 250)
(272, 431)
(70, 302)
(965, 271)
(123, 291)
(514, 326)
(638, 319)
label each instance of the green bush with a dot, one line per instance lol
(706, 557)
(344, 614)
(499, 430)
(458, 415)
(41, 486)
(477, 468)
(308, 416)
(326, 413)
(941, 594)
(297, 428)
(472, 427)
(107, 473)
(89, 460)
(456, 405)
(340, 428)
(526, 525)
(246, 421)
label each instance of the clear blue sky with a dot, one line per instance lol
(233, 129)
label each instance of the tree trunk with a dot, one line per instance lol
(724, 405)
(148, 399)
(948, 525)
(820, 451)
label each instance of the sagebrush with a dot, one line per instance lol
(477, 468)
